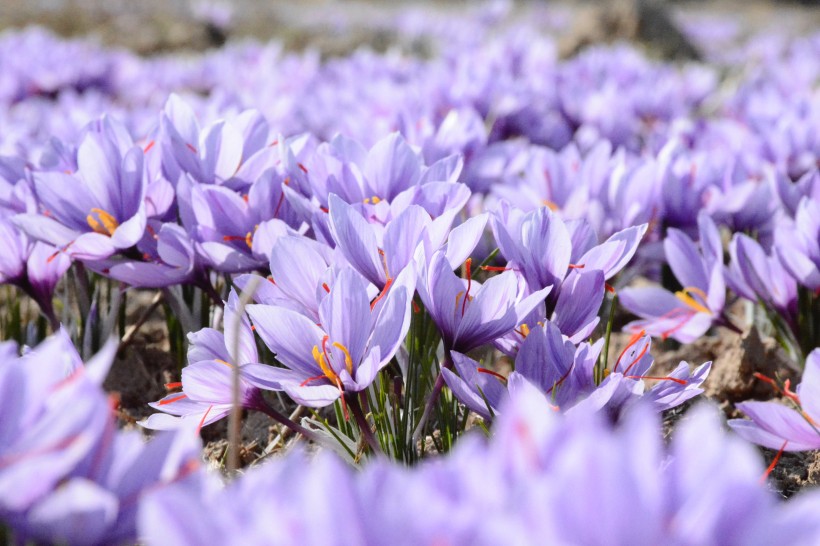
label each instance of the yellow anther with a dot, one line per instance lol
(319, 357)
(524, 330)
(102, 222)
(550, 205)
(685, 296)
(375, 200)
(222, 362)
(348, 360)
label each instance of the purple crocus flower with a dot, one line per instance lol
(234, 232)
(104, 213)
(777, 426)
(207, 381)
(541, 246)
(690, 312)
(53, 417)
(563, 373)
(624, 385)
(798, 246)
(231, 153)
(757, 276)
(547, 360)
(33, 267)
(66, 474)
(354, 339)
(168, 257)
(469, 314)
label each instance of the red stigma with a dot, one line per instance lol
(302, 167)
(324, 209)
(664, 378)
(191, 147)
(148, 147)
(789, 393)
(577, 266)
(632, 341)
(416, 308)
(562, 379)
(387, 286)
(609, 288)
(312, 379)
(326, 287)
(279, 205)
(774, 462)
(202, 421)
(172, 386)
(494, 268)
(637, 358)
(468, 266)
(494, 374)
(172, 400)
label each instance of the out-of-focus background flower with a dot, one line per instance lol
(337, 27)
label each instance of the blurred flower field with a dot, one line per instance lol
(459, 276)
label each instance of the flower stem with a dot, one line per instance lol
(434, 394)
(354, 405)
(260, 404)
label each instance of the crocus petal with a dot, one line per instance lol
(612, 255)
(294, 350)
(355, 238)
(784, 422)
(576, 311)
(684, 260)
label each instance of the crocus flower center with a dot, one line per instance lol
(375, 200)
(322, 359)
(102, 222)
(686, 296)
(248, 238)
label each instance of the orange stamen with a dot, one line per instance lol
(102, 222)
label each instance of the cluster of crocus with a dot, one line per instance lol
(67, 475)
(383, 222)
(536, 480)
